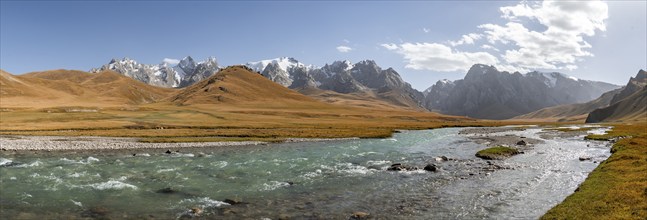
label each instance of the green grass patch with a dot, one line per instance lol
(497, 153)
(617, 188)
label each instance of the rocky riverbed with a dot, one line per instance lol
(55, 143)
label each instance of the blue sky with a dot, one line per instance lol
(423, 41)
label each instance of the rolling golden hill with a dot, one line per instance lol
(59, 88)
(237, 85)
(235, 102)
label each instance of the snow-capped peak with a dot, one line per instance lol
(444, 81)
(187, 62)
(345, 65)
(169, 73)
(284, 63)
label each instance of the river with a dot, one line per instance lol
(305, 180)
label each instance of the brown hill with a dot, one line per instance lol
(630, 104)
(632, 108)
(359, 99)
(75, 88)
(237, 85)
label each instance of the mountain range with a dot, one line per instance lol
(340, 81)
(625, 103)
(186, 72)
(487, 93)
(484, 92)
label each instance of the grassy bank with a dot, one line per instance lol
(497, 153)
(617, 189)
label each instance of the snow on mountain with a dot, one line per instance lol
(284, 63)
(169, 73)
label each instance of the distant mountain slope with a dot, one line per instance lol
(76, 88)
(571, 112)
(362, 79)
(630, 104)
(488, 93)
(236, 85)
(632, 108)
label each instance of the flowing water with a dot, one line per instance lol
(317, 180)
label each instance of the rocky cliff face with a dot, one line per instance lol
(488, 93)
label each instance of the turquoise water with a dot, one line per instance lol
(319, 180)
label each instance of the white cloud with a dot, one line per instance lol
(489, 47)
(439, 57)
(426, 30)
(344, 49)
(346, 41)
(560, 45)
(543, 35)
(466, 39)
(390, 46)
(576, 17)
(171, 61)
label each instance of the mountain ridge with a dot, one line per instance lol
(630, 104)
(487, 93)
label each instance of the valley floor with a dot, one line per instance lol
(157, 123)
(617, 189)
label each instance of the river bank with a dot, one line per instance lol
(617, 189)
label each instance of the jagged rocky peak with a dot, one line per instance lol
(166, 74)
(480, 69)
(342, 65)
(187, 64)
(641, 76)
(284, 63)
(368, 64)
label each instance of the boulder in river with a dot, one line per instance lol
(196, 211)
(401, 167)
(233, 201)
(166, 190)
(359, 215)
(522, 143)
(584, 158)
(442, 158)
(95, 212)
(431, 167)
